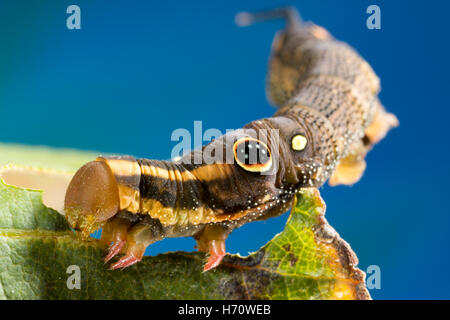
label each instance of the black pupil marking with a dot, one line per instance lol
(251, 152)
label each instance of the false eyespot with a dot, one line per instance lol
(299, 142)
(252, 155)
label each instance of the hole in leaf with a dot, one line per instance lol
(52, 183)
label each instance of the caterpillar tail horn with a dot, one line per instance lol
(289, 14)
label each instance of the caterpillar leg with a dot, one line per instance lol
(115, 234)
(383, 121)
(212, 240)
(134, 240)
(351, 168)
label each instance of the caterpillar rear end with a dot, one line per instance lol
(329, 117)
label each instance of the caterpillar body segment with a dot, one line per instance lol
(309, 69)
(328, 118)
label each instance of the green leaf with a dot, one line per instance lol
(308, 260)
(44, 157)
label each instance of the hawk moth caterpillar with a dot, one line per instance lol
(328, 118)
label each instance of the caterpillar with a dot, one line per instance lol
(328, 118)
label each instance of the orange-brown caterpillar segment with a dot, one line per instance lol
(92, 197)
(108, 193)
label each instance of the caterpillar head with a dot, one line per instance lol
(257, 169)
(92, 197)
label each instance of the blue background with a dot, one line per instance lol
(135, 72)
